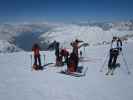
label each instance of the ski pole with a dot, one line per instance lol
(126, 64)
(31, 60)
(44, 58)
(84, 50)
(104, 63)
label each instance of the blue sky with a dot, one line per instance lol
(65, 10)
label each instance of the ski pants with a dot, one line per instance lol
(37, 59)
(76, 62)
(113, 58)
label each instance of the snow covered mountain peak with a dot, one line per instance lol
(45, 33)
(91, 33)
(6, 47)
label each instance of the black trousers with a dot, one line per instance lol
(113, 58)
(73, 59)
(37, 59)
(76, 62)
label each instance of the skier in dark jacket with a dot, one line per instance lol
(76, 47)
(36, 50)
(57, 54)
(57, 50)
(71, 65)
(116, 47)
(73, 60)
(52, 45)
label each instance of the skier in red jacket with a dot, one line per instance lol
(36, 50)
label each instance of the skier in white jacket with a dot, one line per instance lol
(116, 47)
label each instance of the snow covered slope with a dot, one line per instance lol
(18, 82)
(92, 34)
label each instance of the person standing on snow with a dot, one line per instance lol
(57, 50)
(74, 57)
(36, 50)
(57, 54)
(116, 47)
(75, 46)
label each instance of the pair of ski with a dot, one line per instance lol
(80, 73)
(41, 67)
(111, 71)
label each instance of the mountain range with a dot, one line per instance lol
(22, 36)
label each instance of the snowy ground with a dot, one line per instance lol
(18, 82)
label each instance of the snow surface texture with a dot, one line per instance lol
(18, 82)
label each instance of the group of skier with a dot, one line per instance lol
(72, 59)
